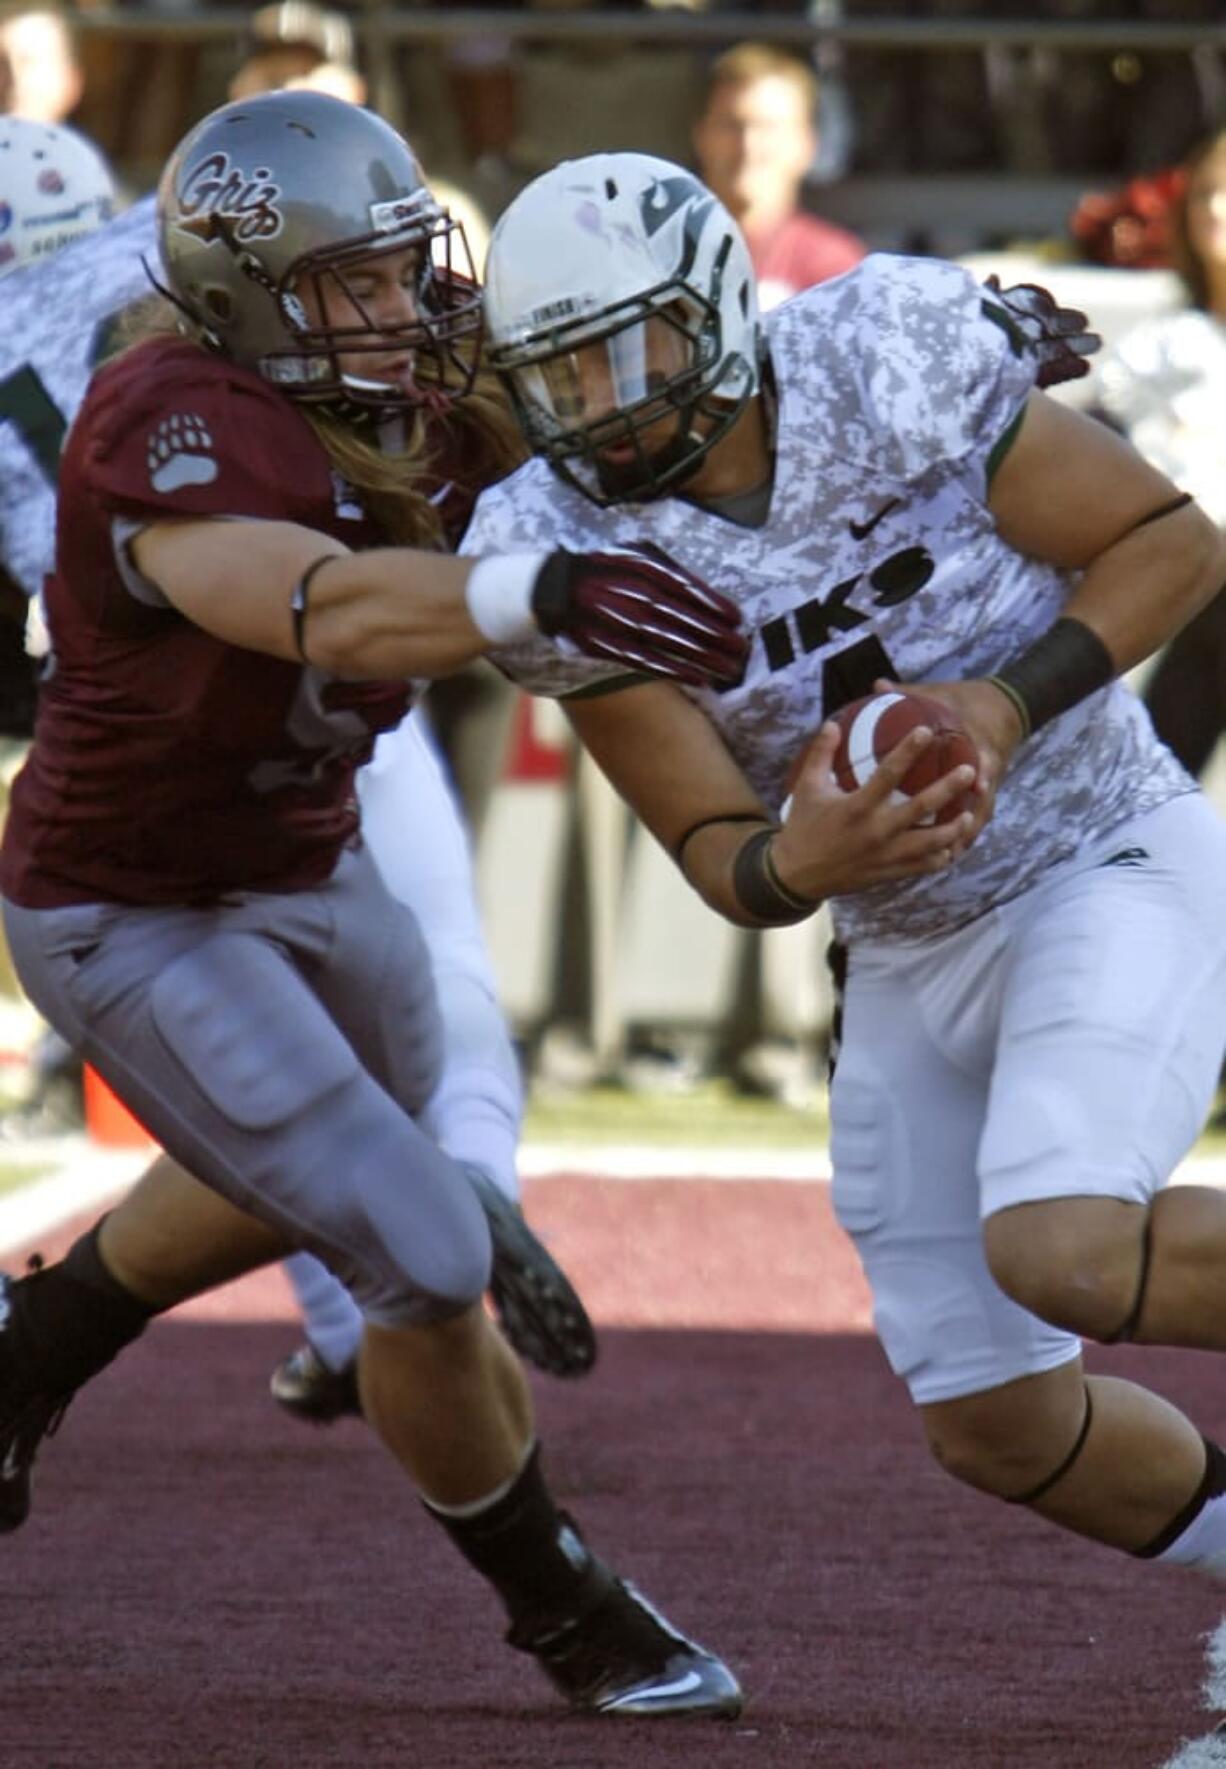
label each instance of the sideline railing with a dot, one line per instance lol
(398, 24)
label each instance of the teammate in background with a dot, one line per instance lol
(755, 142)
(1164, 385)
(244, 587)
(1034, 996)
(56, 188)
(59, 320)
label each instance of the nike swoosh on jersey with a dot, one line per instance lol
(860, 531)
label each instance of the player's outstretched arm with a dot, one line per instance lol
(298, 594)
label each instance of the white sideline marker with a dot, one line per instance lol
(88, 1175)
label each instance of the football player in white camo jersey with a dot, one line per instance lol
(58, 319)
(54, 187)
(1034, 1005)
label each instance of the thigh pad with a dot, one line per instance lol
(241, 1021)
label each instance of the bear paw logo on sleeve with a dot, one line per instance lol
(179, 453)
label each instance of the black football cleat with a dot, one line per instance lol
(25, 1419)
(622, 1657)
(537, 1306)
(303, 1384)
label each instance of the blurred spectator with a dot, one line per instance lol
(755, 139)
(1164, 386)
(1131, 228)
(541, 100)
(40, 45)
(298, 44)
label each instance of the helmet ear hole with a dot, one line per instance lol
(219, 305)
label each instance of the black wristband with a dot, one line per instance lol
(1068, 663)
(300, 600)
(759, 889)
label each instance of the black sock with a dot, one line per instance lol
(529, 1551)
(68, 1321)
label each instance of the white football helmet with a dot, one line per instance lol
(54, 186)
(634, 256)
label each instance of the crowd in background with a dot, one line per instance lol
(490, 108)
(782, 130)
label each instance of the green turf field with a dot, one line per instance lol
(709, 1114)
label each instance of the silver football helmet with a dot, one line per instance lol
(619, 294)
(54, 187)
(283, 194)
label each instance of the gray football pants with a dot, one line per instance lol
(277, 1047)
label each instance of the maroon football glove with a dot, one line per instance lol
(640, 609)
(1059, 336)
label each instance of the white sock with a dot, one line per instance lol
(476, 1506)
(331, 1317)
(1202, 1545)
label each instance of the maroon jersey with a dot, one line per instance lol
(167, 765)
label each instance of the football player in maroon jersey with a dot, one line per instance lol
(248, 578)
(63, 310)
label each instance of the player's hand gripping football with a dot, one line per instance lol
(994, 728)
(912, 815)
(834, 841)
(639, 608)
(1059, 336)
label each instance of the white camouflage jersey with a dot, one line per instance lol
(896, 384)
(54, 315)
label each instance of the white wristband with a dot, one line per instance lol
(499, 595)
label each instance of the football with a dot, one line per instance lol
(872, 727)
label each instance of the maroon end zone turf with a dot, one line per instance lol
(205, 1582)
